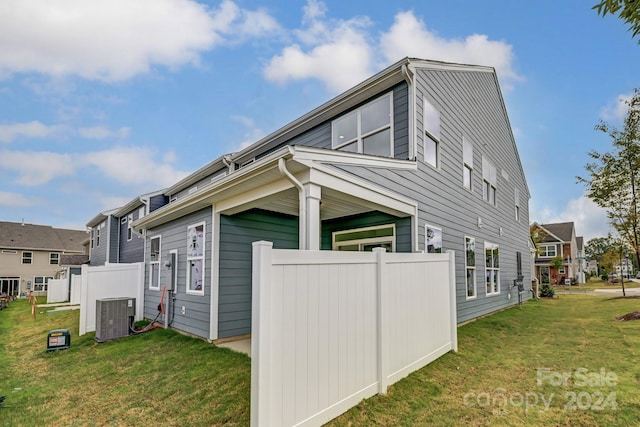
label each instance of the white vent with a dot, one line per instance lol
(114, 318)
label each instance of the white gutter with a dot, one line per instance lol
(302, 202)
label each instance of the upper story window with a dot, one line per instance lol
(432, 134)
(467, 163)
(129, 230)
(54, 258)
(548, 251)
(27, 257)
(366, 130)
(489, 181)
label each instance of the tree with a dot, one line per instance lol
(614, 177)
(597, 247)
(557, 262)
(627, 10)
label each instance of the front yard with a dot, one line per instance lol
(564, 361)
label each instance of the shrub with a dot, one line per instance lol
(546, 291)
(604, 277)
(587, 276)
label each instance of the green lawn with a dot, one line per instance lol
(164, 378)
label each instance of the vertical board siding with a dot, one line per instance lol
(237, 233)
(197, 307)
(319, 316)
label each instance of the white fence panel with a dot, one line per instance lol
(332, 328)
(57, 290)
(109, 281)
(76, 289)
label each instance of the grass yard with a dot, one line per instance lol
(164, 378)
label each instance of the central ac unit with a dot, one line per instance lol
(114, 318)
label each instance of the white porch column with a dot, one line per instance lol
(312, 196)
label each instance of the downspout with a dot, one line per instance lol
(302, 202)
(227, 162)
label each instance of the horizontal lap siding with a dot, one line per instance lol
(130, 250)
(470, 105)
(237, 234)
(197, 307)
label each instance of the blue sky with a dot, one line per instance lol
(104, 101)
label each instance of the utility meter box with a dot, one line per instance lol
(59, 339)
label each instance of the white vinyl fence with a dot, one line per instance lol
(332, 328)
(57, 290)
(109, 281)
(76, 289)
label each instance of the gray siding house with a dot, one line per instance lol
(419, 157)
(112, 238)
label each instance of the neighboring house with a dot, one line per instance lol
(113, 240)
(31, 255)
(592, 267)
(419, 157)
(558, 239)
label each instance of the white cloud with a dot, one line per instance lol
(590, 219)
(33, 129)
(37, 167)
(409, 36)
(15, 200)
(115, 40)
(134, 166)
(336, 52)
(251, 134)
(102, 132)
(616, 110)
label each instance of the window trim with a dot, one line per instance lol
(426, 239)
(129, 230)
(545, 254)
(467, 165)
(201, 258)
(492, 246)
(153, 262)
(468, 267)
(430, 134)
(57, 254)
(44, 284)
(25, 257)
(360, 137)
(367, 241)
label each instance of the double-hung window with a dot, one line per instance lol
(154, 263)
(470, 266)
(431, 134)
(467, 163)
(27, 257)
(54, 258)
(492, 268)
(489, 181)
(195, 258)
(366, 130)
(548, 251)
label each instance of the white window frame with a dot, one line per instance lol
(517, 204)
(489, 182)
(426, 238)
(153, 261)
(24, 257)
(141, 212)
(467, 162)
(561, 270)
(432, 135)
(360, 137)
(193, 245)
(123, 220)
(492, 287)
(544, 251)
(470, 268)
(368, 241)
(129, 230)
(44, 285)
(57, 256)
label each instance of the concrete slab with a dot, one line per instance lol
(241, 346)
